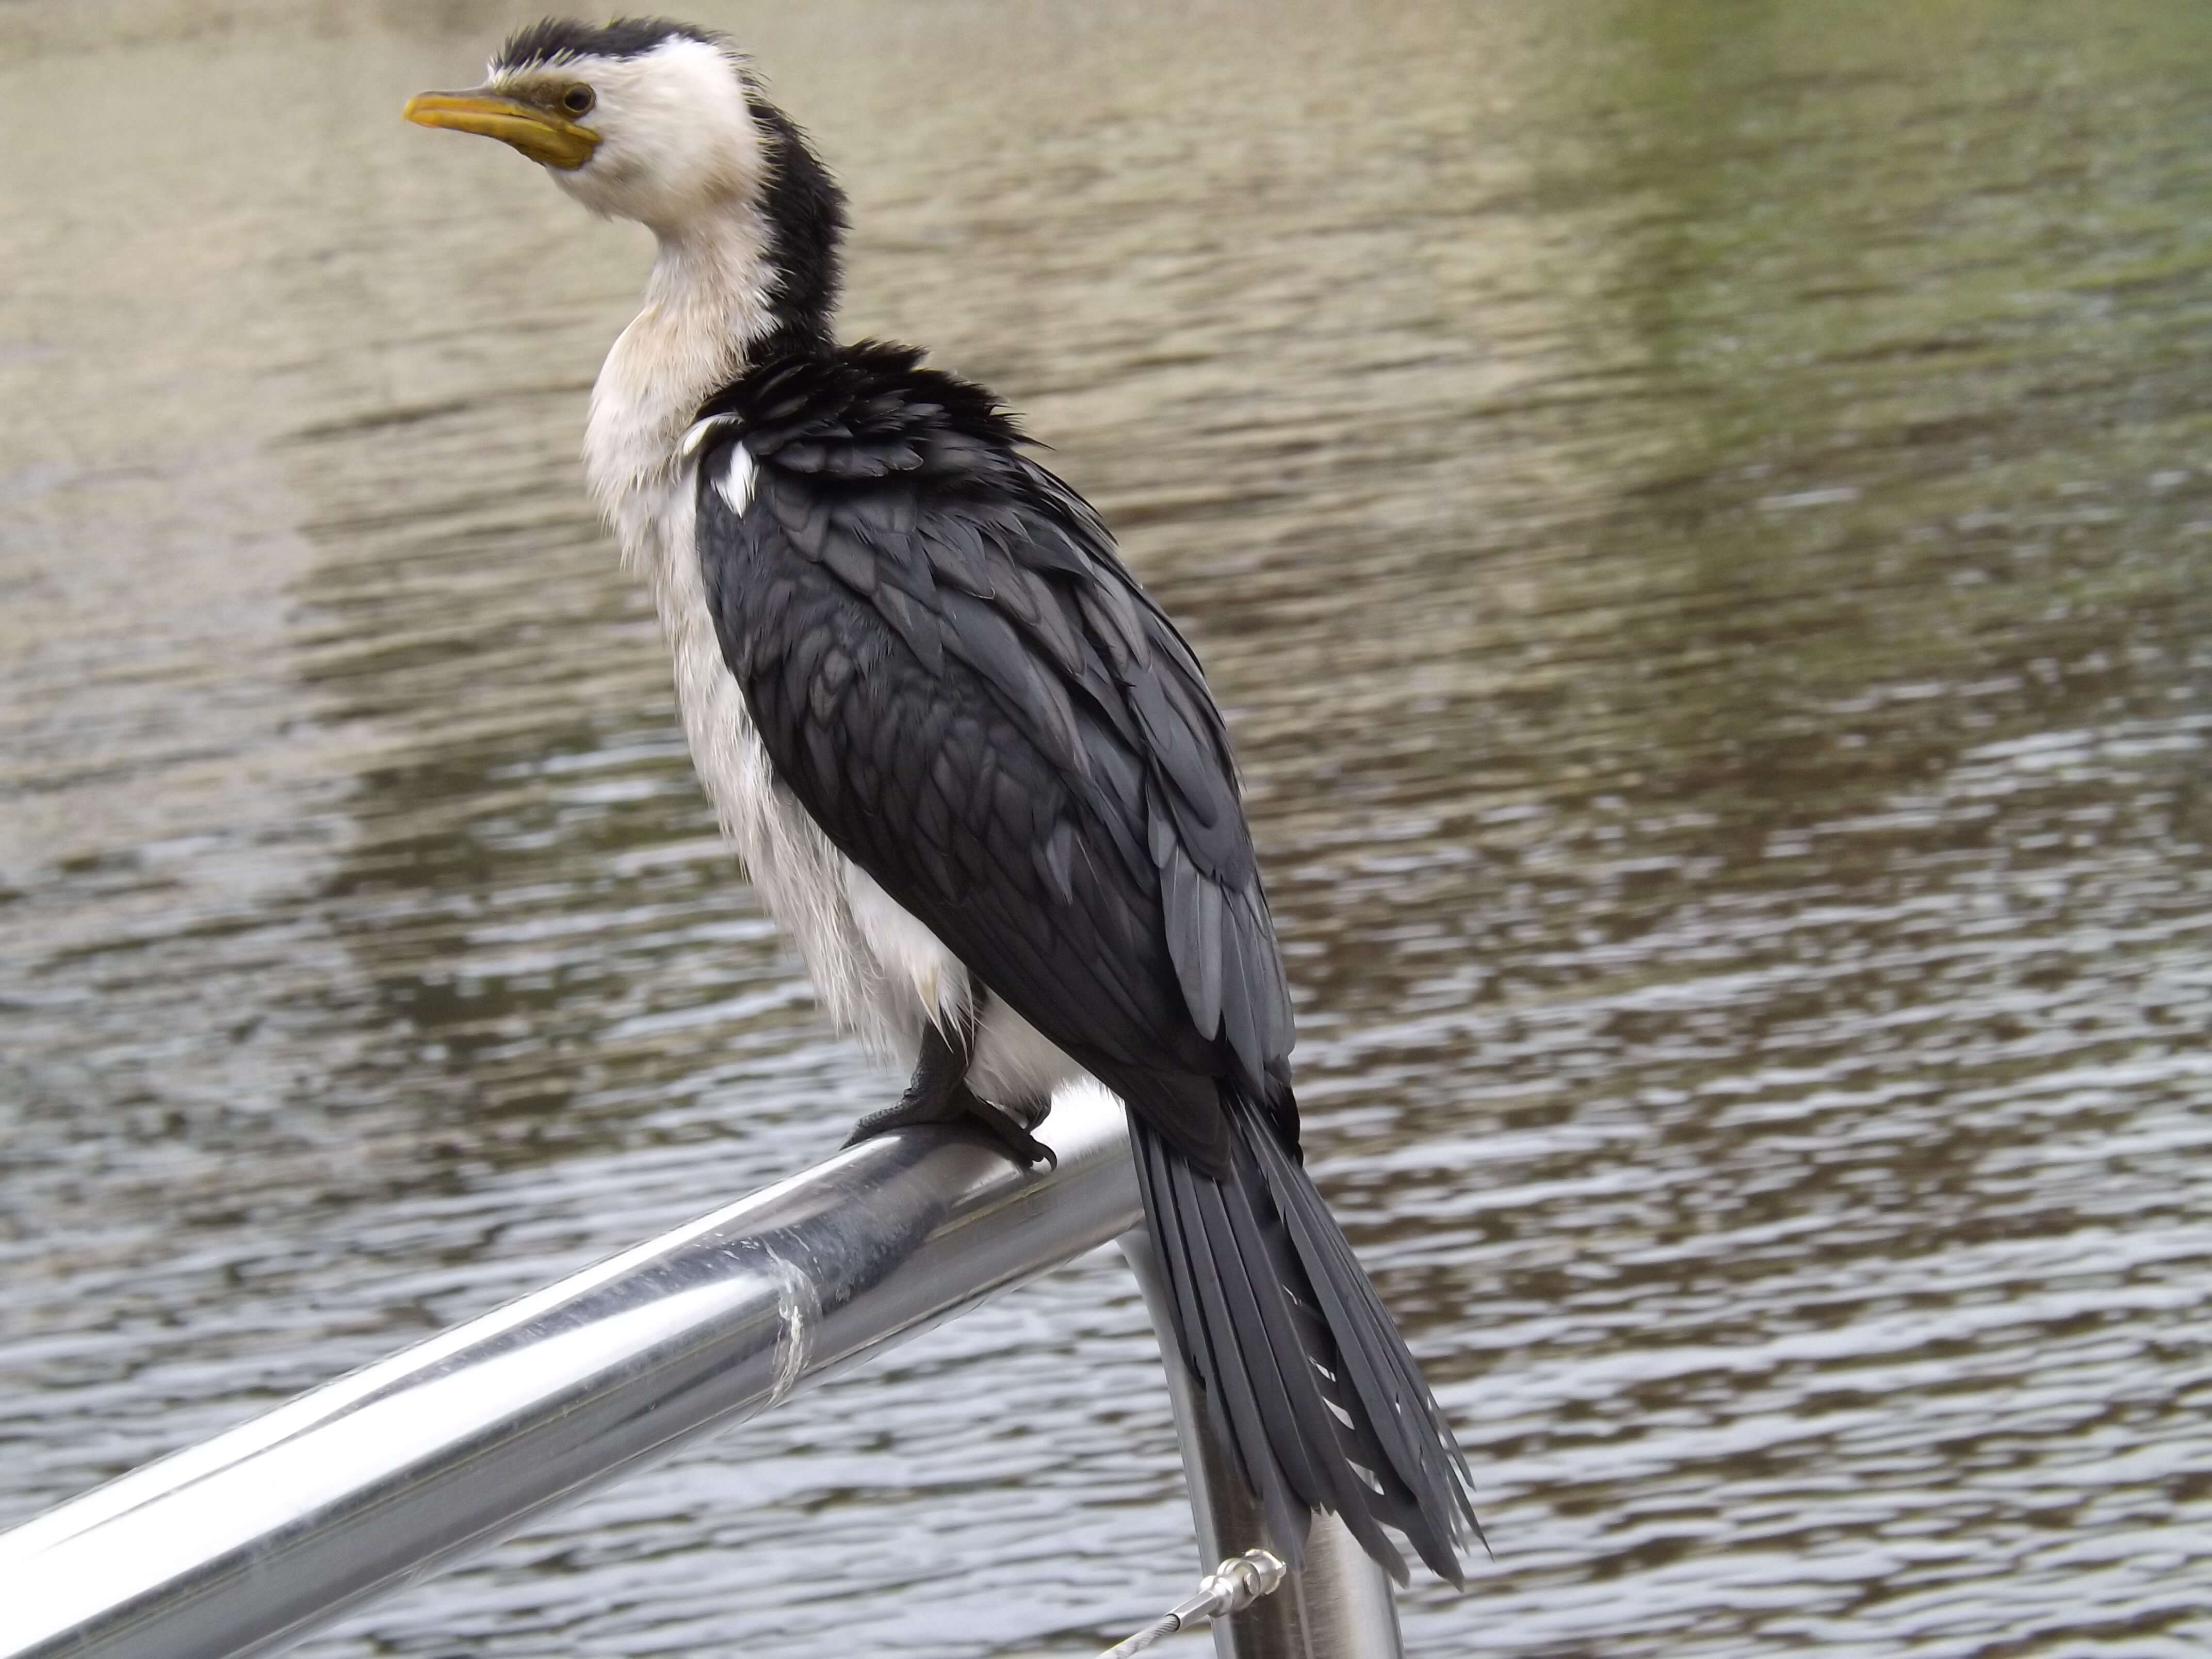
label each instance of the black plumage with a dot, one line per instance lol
(555, 39)
(959, 679)
(805, 212)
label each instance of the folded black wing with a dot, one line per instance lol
(959, 680)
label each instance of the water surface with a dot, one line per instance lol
(1700, 515)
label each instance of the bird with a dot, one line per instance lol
(970, 765)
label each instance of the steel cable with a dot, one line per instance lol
(1230, 1587)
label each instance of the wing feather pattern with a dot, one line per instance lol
(955, 674)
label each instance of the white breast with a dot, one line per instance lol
(878, 971)
(804, 880)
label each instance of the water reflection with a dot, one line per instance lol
(1700, 515)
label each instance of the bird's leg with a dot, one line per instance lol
(936, 1094)
(1005, 1125)
(939, 1093)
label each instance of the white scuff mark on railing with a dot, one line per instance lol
(798, 1310)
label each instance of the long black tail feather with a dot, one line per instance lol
(1308, 1380)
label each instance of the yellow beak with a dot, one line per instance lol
(540, 134)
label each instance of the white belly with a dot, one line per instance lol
(878, 972)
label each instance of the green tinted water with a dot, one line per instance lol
(1701, 516)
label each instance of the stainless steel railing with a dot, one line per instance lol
(265, 1533)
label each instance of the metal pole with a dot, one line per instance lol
(267, 1532)
(1338, 1605)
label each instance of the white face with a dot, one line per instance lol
(676, 139)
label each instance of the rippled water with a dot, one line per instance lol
(1701, 515)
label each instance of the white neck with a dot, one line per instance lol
(706, 304)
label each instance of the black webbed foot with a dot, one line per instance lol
(1007, 1128)
(955, 1105)
(959, 1105)
(939, 1094)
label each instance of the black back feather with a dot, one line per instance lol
(956, 675)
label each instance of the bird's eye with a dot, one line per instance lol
(579, 100)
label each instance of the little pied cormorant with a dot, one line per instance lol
(968, 762)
